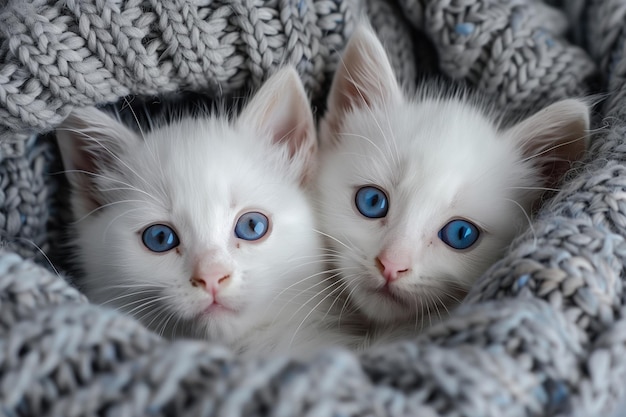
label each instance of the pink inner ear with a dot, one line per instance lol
(84, 184)
(352, 96)
(344, 97)
(295, 137)
(291, 137)
(302, 145)
(364, 77)
(554, 154)
(553, 138)
(555, 163)
(280, 110)
(81, 138)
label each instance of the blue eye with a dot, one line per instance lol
(251, 226)
(371, 202)
(459, 234)
(160, 238)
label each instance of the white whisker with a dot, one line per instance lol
(348, 279)
(107, 205)
(534, 188)
(332, 238)
(528, 219)
(311, 312)
(38, 248)
(551, 148)
(126, 185)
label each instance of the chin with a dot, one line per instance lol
(382, 307)
(221, 327)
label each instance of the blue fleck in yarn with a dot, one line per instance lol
(464, 28)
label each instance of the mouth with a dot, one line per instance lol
(216, 308)
(386, 292)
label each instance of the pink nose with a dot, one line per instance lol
(392, 267)
(211, 278)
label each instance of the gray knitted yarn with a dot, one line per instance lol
(542, 333)
(25, 189)
(84, 52)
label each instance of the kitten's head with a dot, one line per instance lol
(420, 194)
(200, 226)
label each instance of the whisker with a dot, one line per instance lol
(109, 151)
(314, 296)
(534, 188)
(332, 238)
(138, 304)
(130, 294)
(295, 267)
(441, 303)
(105, 206)
(301, 281)
(416, 314)
(528, 219)
(344, 285)
(371, 142)
(132, 111)
(161, 312)
(141, 283)
(395, 155)
(430, 319)
(130, 187)
(164, 325)
(349, 279)
(37, 247)
(106, 229)
(304, 291)
(310, 312)
(359, 89)
(147, 304)
(551, 148)
(422, 307)
(176, 323)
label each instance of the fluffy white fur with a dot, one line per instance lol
(198, 175)
(438, 157)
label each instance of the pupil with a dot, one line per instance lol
(251, 224)
(464, 232)
(161, 237)
(374, 200)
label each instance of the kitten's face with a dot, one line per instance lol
(202, 226)
(419, 195)
(389, 188)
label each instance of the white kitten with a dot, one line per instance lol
(420, 194)
(202, 227)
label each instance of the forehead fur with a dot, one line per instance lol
(432, 154)
(209, 152)
(207, 169)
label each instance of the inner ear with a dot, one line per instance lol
(281, 112)
(364, 77)
(554, 138)
(89, 141)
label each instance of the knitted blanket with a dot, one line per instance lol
(543, 332)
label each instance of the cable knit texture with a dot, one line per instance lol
(543, 332)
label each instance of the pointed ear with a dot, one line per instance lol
(281, 109)
(364, 77)
(554, 138)
(89, 140)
